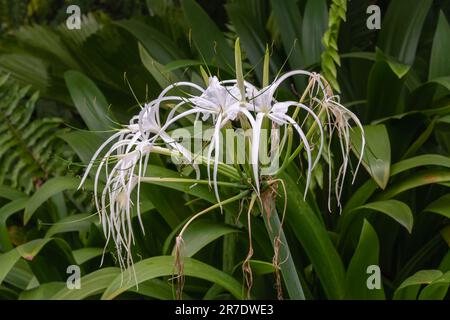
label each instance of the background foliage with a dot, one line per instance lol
(62, 90)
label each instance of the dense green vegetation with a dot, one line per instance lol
(63, 91)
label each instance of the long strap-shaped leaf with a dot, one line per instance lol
(164, 266)
(315, 241)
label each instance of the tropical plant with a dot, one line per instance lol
(395, 215)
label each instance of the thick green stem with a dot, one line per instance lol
(287, 266)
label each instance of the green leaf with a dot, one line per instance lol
(89, 101)
(84, 143)
(156, 43)
(287, 15)
(439, 66)
(247, 17)
(442, 81)
(400, 33)
(366, 254)
(77, 222)
(287, 268)
(384, 91)
(92, 284)
(314, 25)
(7, 294)
(377, 153)
(47, 190)
(10, 193)
(414, 282)
(157, 289)
(156, 69)
(437, 289)
(21, 276)
(201, 233)
(85, 254)
(440, 206)
(418, 161)
(315, 240)
(5, 212)
(212, 44)
(181, 64)
(395, 209)
(418, 179)
(27, 251)
(444, 266)
(164, 266)
(44, 292)
(258, 267)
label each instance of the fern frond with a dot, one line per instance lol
(29, 148)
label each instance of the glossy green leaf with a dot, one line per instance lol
(85, 254)
(7, 293)
(84, 143)
(91, 284)
(211, 45)
(48, 189)
(157, 289)
(439, 66)
(437, 289)
(164, 266)
(201, 233)
(377, 153)
(315, 241)
(384, 90)
(442, 81)
(181, 64)
(247, 17)
(440, 206)
(77, 222)
(162, 77)
(44, 292)
(414, 282)
(27, 251)
(444, 266)
(89, 101)
(5, 212)
(418, 179)
(287, 15)
(400, 33)
(258, 267)
(314, 25)
(366, 254)
(156, 43)
(10, 193)
(21, 276)
(395, 209)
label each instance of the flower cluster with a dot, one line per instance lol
(125, 160)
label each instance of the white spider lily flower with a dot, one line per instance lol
(224, 103)
(264, 105)
(130, 152)
(126, 159)
(339, 118)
